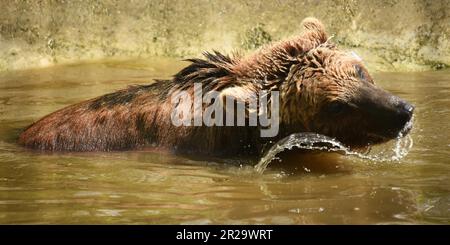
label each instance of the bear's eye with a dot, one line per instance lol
(337, 107)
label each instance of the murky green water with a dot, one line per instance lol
(154, 188)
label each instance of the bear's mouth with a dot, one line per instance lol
(407, 128)
(377, 138)
(398, 133)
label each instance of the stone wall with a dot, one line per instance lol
(388, 34)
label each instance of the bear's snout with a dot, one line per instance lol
(386, 115)
(405, 112)
(397, 115)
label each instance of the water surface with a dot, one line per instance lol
(147, 187)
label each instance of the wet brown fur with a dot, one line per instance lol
(307, 70)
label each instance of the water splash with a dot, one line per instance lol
(389, 152)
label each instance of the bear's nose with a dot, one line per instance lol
(409, 108)
(405, 111)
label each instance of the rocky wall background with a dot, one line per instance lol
(390, 35)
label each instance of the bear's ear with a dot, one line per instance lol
(314, 30)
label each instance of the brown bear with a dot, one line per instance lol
(321, 89)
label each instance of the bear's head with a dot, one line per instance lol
(329, 91)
